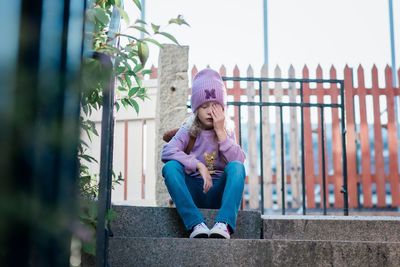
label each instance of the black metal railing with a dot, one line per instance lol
(302, 105)
(103, 231)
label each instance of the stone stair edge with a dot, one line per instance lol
(201, 240)
(173, 208)
(280, 217)
(330, 217)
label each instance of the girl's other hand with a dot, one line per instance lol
(206, 176)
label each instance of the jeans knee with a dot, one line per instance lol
(237, 168)
(171, 167)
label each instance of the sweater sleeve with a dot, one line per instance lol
(231, 150)
(174, 150)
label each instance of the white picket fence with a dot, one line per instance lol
(134, 139)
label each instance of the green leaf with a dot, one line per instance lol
(117, 3)
(169, 36)
(179, 20)
(120, 69)
(133, 91)
(150, 40)
(89, 248)
(135, 105)
(137, 68)
(140, 28)
(156, 28)
(88, 158)
(137, 79)
(143, 50)
(127, 65)
(129, 49)
(144, 72)
(139, 21)
(85, 178)
(88, 134)
(111, 215)
(137, 3)
(134, 60)
(128, 81)
(84, 144)
(124, 15)
(121, 81)
(95, 131)
(101, 15)
(91, 15)
(117, 105)
(142, 94)
(125, 102)
(85, 109)
(128, 36)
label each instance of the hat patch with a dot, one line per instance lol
(210, 93)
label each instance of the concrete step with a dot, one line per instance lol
(343, 228)
(248, 252)
(165, 222)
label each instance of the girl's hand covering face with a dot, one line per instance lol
(218, 115)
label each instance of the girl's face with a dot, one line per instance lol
(204, 114)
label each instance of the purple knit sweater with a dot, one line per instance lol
(206, 144)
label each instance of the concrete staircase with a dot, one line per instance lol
(149, 236)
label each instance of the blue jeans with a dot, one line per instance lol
(187, 193)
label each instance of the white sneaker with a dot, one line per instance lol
(220, 230)
(200, 231)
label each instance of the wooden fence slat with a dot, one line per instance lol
(135, 156)
(294, 145)
(119, 165)
(365, 141)
(308, 145)
(336, 141)
(194, 72)
(252, 146)
(351, 138)
(154, 72)
(150, 183)
(143, 178)
(392, 139)
(379, 163)
(267, 170)
(236, 97)
(126, 159)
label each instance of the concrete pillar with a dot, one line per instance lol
(172, 96)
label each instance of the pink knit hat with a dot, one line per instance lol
(207, 86)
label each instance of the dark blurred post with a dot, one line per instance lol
(39, 129)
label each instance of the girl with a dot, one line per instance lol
(212, 174)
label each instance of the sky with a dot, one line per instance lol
(312, 32)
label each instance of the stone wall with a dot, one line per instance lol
(171, 104)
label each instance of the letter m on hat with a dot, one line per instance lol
(210, 93)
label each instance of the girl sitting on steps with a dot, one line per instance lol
(212, 174)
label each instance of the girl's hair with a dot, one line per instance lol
(193, 124)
